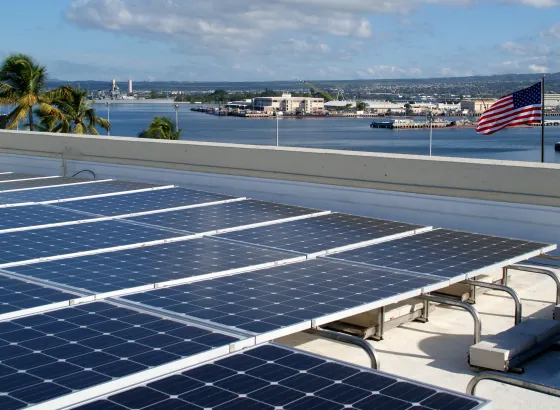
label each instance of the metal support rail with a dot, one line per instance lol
(503, 288)
(514, 381)
(457, 303)
(532, 269)
(349, 339)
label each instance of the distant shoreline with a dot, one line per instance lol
(146, 101)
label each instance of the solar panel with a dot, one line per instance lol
(272, 376)
(15, 175)
(27, 246)
(223, 216)
(55, 353)
(445, 253)
(322, 233)
(131, 268)
(271, 299)
(68, 192)
(39, 183)
(143, 201)
(35, 215)
(17, 295)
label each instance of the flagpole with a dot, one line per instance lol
(542, 119)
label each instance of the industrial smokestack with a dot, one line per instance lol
(113, 84)
(130, 86)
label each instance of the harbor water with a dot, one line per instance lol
(522, 144)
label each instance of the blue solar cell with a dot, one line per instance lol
(58, 362)
(16, 295)
(62, 240)
(321, 233)
(36, 215)
(68, 192)
(222, 216)
(143, 201)
(152, 264)
(274, 298)
(243, 381)
(442, 252)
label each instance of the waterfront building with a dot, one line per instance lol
(477, 106)
(288, 104)
(552, 100)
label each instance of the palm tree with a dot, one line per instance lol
(22, 82)
(77, 114)
(161, 128)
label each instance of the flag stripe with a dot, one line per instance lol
(509, 114)
(521, 107)
(532, 115)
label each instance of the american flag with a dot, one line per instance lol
(521, 107)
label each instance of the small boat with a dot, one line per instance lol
(557, 146)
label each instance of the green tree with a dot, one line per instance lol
(162, 128)
(78, 114)
(408, 108)
(361, 106)
(22, 83)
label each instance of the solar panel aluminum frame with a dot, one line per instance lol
(100, 250)
(370, 242)
(53, 186)
(27, 179)
(484, 404)
(70, 400)
(157, 285)
(461, 277)
(97, 218)
(157, 211)
(55, 201)
(241, 227)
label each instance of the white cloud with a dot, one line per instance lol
(535, 68)
(388, 71)
(552, 32)
(514, 48)
(535, 3)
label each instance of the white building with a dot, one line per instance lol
(552, 100)
(288, 104)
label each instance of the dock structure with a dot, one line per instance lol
(409, 124)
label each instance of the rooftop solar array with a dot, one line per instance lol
(322, 233)
(445, 253)
(267, 300)
(223, 216)
(26, 246)
(143, 201)
(113, 271)
(35, 215)
(52, 354)
(40, 183)
(70, 192)
(272, 377)
(263, 279)
(14, 175)
(17, 295)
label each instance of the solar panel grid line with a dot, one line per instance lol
(155, 211)
(26, 179)
(455, 255)
(78, 198)
(52, 186)
(135, 333)
(19, 292)
(321, 235)
(97, 218)
(7, 172)
(273, 376)
(99, 251)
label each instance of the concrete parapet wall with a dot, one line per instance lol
(509, 181)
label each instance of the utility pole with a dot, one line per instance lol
(277, 128)
(430, 117)
(176, 117)
(108, 116)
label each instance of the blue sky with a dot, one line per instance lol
(242, 40)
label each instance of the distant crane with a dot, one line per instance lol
(326, 95)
